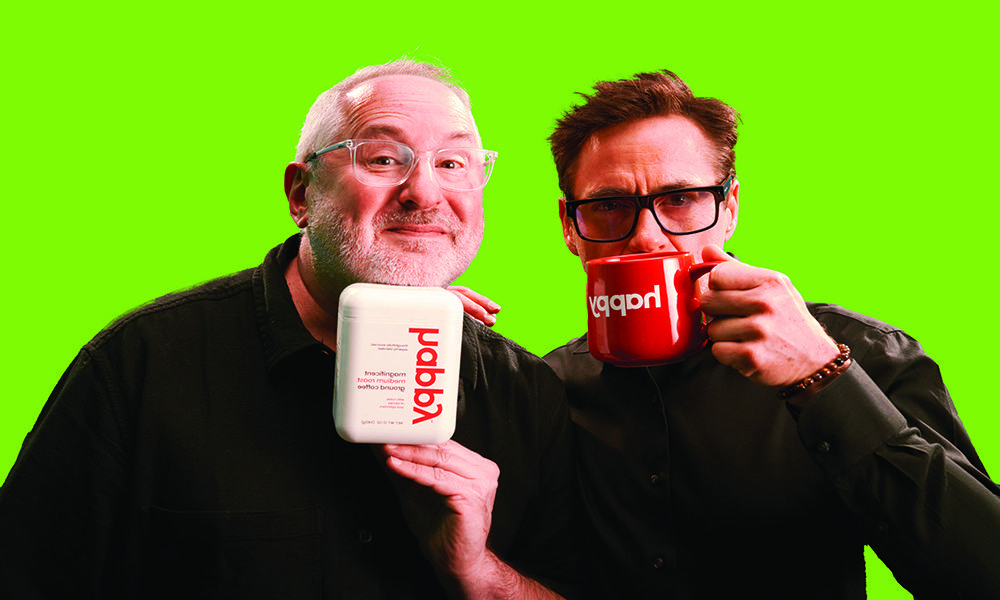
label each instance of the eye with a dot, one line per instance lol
(383, 161)
(610, 205)
(382, 155)
(678, 200)
(451, 160)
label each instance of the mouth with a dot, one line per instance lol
(418, 230)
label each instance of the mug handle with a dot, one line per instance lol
(700, 269)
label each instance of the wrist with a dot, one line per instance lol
(801, 391)
(493, 579)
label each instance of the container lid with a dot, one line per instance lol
(398, 302)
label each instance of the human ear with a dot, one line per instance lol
(569, 234)
(296, 175)
(732, 207)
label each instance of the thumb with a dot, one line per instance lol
(711, 253)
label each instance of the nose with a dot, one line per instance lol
(648, 236)
(420, 188)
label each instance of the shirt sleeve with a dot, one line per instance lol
(61, 500)
(889, 438)
(548, 548)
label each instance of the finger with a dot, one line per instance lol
(737, 355)
(713, 253)
(719, 303)
(478, 313)
(732, 329)
(481, 300)
(476, 305)
(450, 457)
(733, 275)
(444, 481)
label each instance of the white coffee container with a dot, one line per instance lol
(398, 353)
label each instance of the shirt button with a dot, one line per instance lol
(823, 447)
(657, 562)
(364, 536)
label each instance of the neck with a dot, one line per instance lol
(317, 310)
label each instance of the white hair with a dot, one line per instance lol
(325, 120)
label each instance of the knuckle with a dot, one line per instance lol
(441, 457)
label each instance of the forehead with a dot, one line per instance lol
(413, 109)
(644, 157)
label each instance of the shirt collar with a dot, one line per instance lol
(684, 367)
(282, 332)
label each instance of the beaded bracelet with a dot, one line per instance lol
(829, 369)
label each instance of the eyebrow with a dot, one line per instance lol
(391, 131)
(612, 191)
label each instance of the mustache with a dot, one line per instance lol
(429, 216)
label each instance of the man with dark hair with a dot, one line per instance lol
(189, 450)
(762, 465)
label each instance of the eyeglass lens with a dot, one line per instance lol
(386, 163)
(614, 218)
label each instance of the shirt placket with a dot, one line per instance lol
(663, 560)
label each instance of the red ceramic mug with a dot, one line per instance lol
(644, 309)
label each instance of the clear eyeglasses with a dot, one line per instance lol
(677, 212)
(385, 163)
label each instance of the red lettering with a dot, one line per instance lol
(427, 377)
(424, 396)
(427, 357)
(420, 331)
(424, 415)
(417, 393)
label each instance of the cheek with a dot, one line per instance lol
(468, 208)
(364, 208)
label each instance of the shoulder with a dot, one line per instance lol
(204, 303)
(509, 382)
(572, 358)
(858, 330)
(832, 315)
(499, 353)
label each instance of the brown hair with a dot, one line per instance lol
(645, 95)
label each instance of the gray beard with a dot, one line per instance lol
(339, 252)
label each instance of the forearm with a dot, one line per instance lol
(931, 514)
(494, 579)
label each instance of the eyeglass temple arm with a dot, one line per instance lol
(318, 153)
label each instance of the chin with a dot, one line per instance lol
(415, 270)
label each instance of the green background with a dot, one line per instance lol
(143, 151)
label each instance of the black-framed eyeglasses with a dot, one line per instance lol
(677, 212)
(385, 163)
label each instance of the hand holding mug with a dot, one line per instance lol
(760, 325)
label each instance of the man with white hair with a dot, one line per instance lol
(189, 449)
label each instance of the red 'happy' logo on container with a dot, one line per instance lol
(424, 396)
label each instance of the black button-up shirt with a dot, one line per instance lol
(189, 452)
(702, 484)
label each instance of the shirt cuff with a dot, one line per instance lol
(847, 421)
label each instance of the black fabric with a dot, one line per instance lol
(702, 484)
(189, 452)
